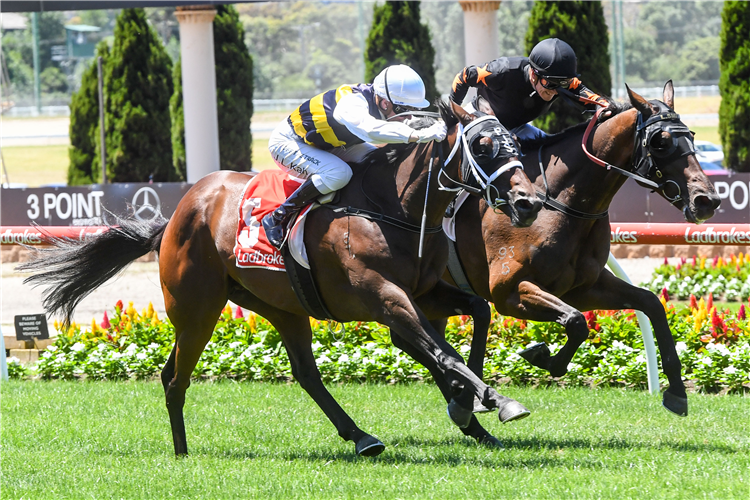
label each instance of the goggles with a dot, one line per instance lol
(402, 108)
(551, 83)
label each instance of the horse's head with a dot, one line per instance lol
(488, 164)
(665, 154)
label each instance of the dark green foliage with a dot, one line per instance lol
(234, 90)
(234, 95)
(85, 165)
(398, 37)
(580, 24)
(734, 59)
(138, 85)
(177, 114)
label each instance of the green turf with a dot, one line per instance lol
(36, 165)
(253, 440)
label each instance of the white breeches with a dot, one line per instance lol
(328, 170)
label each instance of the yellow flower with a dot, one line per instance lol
(703, 262)
(251, 321)
(94, 326)
(663, 302)
(720, 262)
(57, 325)
(740, 259)
(130, 311)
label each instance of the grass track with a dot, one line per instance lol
(252, 440)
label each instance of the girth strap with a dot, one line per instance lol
(456, 270)
(304, 287)
(367, 214)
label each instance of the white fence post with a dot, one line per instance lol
(648, 335)
(3, 361)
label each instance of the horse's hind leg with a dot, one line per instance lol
(297, 336)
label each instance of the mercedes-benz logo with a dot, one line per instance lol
(145, 210)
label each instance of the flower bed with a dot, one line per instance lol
(727, 279)
(713, 346)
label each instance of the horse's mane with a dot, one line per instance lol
(395, 153)
(614, 108)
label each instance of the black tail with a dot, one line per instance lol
(73, 269)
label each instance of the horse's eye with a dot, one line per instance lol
(661, 140)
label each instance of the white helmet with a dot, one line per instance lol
(401, 85)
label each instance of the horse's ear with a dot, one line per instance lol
(639, 103)
(463, 116)
(669, 94)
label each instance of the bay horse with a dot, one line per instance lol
(366, 269)
(554, 269)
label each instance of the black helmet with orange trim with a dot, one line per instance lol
(553, 59)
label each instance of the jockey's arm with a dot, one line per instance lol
(353, 112)
(583, 94)
(491, 75)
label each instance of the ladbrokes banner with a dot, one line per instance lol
(86, 205)
(634, 203)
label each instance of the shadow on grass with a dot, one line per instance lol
(539, 450)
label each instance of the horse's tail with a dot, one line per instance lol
(75, 268)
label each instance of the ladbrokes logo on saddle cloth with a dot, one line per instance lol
(263, 194)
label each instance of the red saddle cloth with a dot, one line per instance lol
(263, 194)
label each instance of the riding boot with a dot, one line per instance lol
(275, 223)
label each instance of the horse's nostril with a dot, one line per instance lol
(705, 202)
(524, 205)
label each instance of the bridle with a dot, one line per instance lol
(480, 183)
(646, 155)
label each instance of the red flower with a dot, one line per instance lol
(666, 262)
(238, 313)
(683, 260)
(717, 324)
(741, 313)
(591, 320)
(679, 266)
(665, 294)
(693, 302)
(716, 260)
(105, 322)
(695, 262)
(710, 301)
(119, 306)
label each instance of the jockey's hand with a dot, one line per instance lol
(436, 132)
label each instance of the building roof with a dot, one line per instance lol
(57, 5)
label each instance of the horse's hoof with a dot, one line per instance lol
(513, 411)
(491, 441)
(538, 355)
(460, 416)
(369, 446)
(479, 407)
(676, 404)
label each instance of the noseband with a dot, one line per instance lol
(648, 151)
(473, 168)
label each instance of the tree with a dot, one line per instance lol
(398, 37)
(234, 96)
(734, 85)
(580, 24)
(84, 126)
(138, 83)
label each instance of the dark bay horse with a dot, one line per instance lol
(554, 269)
(367, 269)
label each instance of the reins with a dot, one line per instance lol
(609, 166)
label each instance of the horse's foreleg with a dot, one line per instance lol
(403, 316)
(473, 428)
(297, 336)
(610, 292)
(532, 303)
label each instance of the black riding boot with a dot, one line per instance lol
(275, 223)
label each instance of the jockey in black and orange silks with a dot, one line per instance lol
(520, 89)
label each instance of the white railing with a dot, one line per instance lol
(692, 91)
